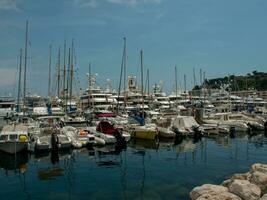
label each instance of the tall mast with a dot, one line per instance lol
(89, 84)
(200, 78)
(58, 74)
(68, 81)
(19, 84)
(184, 83)
(194, 76)
(25, 68)
(148, 81)
(124, 68)
(176, 86)
(142, 82)
(64, 70)
(72, 69)
(49, 71)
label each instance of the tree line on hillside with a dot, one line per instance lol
(251, 81)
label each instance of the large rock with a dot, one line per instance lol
(220, 196)
(264, 197)
(260, 179)
(244, 176)
(228, 182)
(259, 167)
(245, 190)
(207, 189)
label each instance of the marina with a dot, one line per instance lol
(133, 100)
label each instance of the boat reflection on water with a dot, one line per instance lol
(187, 145)
(108, 156)
(50, 174)
(57, 165)
(14, 162)
(144, 144)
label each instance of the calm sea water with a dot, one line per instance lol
(145, 170)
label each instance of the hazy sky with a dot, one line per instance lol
(220, 36)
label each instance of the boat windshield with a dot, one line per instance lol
(3, 137)
(13, 137)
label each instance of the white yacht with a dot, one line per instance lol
(160, 100)
(223, 120)
(95, 98)
(7, 105)
(14, 138)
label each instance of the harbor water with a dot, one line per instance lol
(144, 170)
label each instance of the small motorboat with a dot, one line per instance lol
(14, 138)
(166, 132)
(101, 138)
(79, 138)
(186, 126)
(146, 132)
(42, 143)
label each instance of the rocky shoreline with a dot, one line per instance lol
(248, 186)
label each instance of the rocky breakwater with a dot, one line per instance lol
(248, 186)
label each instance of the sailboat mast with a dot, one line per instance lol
(194, 76)
(19, 84)
(184, 83)
(142, 82)
(58, 74)
(176, 86)
(49, 71)
(68, 81)
(119, 90)
(72, 69)
(25, 68)
(89, 84)
(148, 82)
(124, 68)
(64, 71)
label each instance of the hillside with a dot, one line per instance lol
(251, 81)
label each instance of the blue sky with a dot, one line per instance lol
(220, 36)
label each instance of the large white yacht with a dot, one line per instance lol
(95, 98)
(7, 105)
(160, 99)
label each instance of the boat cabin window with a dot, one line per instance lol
(3, 137)
(13, 137)
(217, 117)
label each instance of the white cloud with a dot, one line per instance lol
(86, 3)
(94, 3)
(9, 5)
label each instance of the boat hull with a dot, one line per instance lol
(144, 134)
(13, 147)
